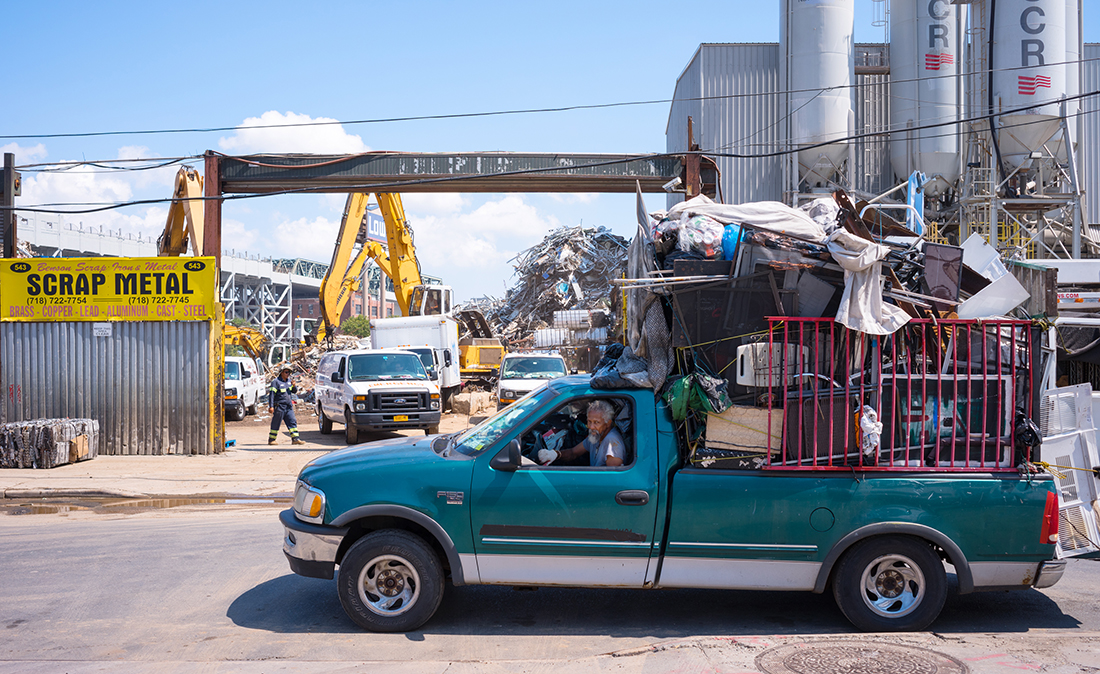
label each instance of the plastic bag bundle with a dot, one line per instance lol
(701, 234)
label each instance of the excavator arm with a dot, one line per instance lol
(185, 216)
(346, 269)
(251, 340)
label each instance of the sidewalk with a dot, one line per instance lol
(250, 467)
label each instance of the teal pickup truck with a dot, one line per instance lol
(399, 517)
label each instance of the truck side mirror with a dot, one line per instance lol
(337, 378)
(447, 358)
(507, 459)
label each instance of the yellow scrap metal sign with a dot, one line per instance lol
(108, 289)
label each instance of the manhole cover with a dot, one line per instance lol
(855, 657)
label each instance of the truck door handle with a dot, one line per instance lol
(632, 497)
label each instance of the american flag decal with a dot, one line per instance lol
(934, 61)
(1028, 85)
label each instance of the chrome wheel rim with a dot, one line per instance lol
(388, 585)
(892, 586)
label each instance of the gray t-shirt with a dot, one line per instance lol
(611, 445)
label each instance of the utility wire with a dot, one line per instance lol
(388, 186)
(500, 113)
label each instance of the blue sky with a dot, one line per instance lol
(145, 65)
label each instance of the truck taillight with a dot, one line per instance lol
(1049, 534)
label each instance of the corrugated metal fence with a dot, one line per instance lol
(148, 383)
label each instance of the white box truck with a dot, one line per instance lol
(433, 338)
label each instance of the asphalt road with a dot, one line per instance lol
(162, 590)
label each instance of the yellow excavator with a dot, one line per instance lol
(185, 216)
(479, 351)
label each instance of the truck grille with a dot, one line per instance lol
(398, 402)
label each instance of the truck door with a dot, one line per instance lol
(568, 525)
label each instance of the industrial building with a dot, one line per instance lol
(817, 111)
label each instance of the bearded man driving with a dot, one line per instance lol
(604, 445)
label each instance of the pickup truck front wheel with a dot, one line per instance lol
(890, 584)
(390, 581)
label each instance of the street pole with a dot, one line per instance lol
(10, 190)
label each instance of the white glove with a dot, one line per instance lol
(547, 456)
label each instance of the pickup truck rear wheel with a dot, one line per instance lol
(390, 581)
(890, 584)
(351, 433)
(323, 422)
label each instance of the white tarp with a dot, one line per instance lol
(861, 306)
(770, 215)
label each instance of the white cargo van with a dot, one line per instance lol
(375, 390)
(244, 386)
(521, 373)
(434, 338)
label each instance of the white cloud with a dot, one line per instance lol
(471, 250)
(327, 138)
(442, 203)
(313, 240)
(24, 154)
(575, 197)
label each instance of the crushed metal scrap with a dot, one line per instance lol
(572, 268)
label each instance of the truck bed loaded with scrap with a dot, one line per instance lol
(832, 337)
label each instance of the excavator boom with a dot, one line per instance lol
(185, 216)
(397, 260)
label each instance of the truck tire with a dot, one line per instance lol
(890, 584)
(323, 422)
(390, 581)
(351, 433)
(432, 430)
(235, 413)
(251, 409)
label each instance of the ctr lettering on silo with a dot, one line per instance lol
(1029, 48)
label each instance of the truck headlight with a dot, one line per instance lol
(359, 407)
(435, 404)
(231, 393)
(510, 395)
(309, 503)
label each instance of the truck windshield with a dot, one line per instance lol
(486, 433)
(232, 370)
(425, 357)
(532, 368)
(385, 367)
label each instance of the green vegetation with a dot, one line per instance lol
(357, 326)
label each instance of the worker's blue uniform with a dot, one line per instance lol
(282, 408)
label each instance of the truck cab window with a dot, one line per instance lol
(569, 427)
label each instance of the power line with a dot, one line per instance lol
(501, 113)
(389, 186)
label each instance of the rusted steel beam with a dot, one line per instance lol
(450, 172)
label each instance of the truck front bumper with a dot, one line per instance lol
(1049, 573)
(379, 421)
(310, 548)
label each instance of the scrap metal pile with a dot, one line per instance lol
(45, 443)
(571, 269)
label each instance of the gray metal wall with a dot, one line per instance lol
(754, 124)
(148, 384)
(747, 124)
(1088, 144)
